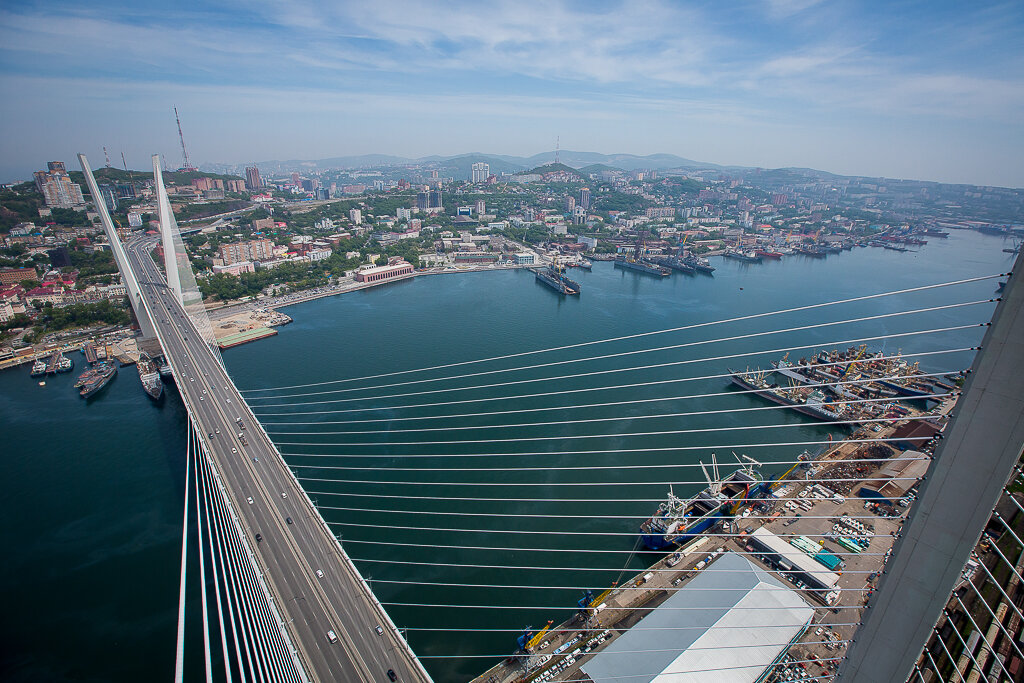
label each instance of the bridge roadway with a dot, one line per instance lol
(290, 553)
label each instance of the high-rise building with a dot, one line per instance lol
(570, 203)
(56, 186)
(356, 216)
(435, 200)
(252, 178)
(481, 207)
(480, 172)
(585, 198)
(295, 178)
(422, 201)
(109, 194)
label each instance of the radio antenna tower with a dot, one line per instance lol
(558, 139)
(106, 156)
(186, 166)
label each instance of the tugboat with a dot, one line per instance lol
(677, 521)
(38, 369)
(149, 375)
(65, 364)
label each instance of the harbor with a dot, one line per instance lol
(149, 445)
(819, 534)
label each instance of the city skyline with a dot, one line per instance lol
(902, 91)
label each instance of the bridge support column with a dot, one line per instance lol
(130, 282)
(167, 229)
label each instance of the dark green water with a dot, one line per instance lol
(93, 504)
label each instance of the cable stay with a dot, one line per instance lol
(638, 335)
(785, 349)
(505, 371)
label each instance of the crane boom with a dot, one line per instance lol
(533, 642)
(186, 166)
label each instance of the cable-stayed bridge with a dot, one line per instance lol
(291, 605)
(262, 636)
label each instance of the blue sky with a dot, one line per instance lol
(929, 90)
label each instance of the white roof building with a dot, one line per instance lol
(727, 625)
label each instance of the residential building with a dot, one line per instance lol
(235, 268)
(435, 200)
(56, 187)
(480, 171)
(12, 276)
(109, 194)
(254, 250)
(356, 216)
(252, 178)
(584, 198)
(234, 185)
(481, 207)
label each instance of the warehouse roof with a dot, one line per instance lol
(728, 624)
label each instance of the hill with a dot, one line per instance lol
(598, 168)
(553, 168)
(461, 167)
(117, 175)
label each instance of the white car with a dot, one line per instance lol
(379, 630)
(332, 637)
(250, 500)
(284, 494)
(319, 573)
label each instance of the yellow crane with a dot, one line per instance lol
(602, 595)
(533, 642)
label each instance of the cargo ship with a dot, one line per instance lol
(149, 375)
(98, 378)
(745, 256)
(811, 403)
(678, 521)
(935, 232)
(767, 253)
(554, 278)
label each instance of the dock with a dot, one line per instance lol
(245, 336)
(793, 518)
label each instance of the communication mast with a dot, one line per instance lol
(558, 139)
(106, 156)
(185, 165)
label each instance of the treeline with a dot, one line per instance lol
(53, 318)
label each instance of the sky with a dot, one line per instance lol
(927, 89)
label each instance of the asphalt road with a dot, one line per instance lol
(290, 553)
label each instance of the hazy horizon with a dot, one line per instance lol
(900, 90)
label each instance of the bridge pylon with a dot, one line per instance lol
(167, 226)
(127, 275)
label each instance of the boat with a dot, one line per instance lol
(65, 364)
(677, 521)
(812, 250)
(104, 373)
(554, 277)
(812, 403)
(38, 369)
(745, 256)
(583, 263)
(699, 263)
(642, 266)
(766, 253)
(675, 263)
(639, 263)
(934, 232)
(149, 375)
